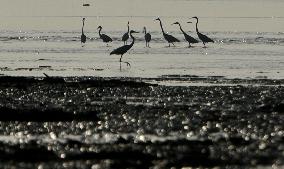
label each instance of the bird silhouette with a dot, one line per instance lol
(83, 36)
(123, 49)
(168, 37)
(188, 38)
(104, 37)
(202, 37)
(125, 37)
(147, 37)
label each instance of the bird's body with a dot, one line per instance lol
(125, 36)
(104, 37)
(83, 36)
(202, 37)
(123, 49)
(188, 38)
(171, 39)
(147, 37)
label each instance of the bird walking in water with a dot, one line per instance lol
(202, 37)
(168, 37)
(104, 37)
(123, 49)
(83, 36)
(147, 37)
(125, 37)
(188, 38)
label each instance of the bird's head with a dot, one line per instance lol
(195, 17)
(132, 31)
(83, 19)
(176, 23)
(128, 23)
(99, 27)
(189, 22)
(158, 19)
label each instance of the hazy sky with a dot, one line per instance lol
(17, 14)
(143, 7)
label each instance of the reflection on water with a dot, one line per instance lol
(59, 53)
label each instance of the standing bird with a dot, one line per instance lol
(202, 37)
(123, 49)
(188, 38)
(147, 37)
(168, 37)
(125, 37)
(104, 37)
(83, 36)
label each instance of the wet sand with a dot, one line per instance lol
(93, 122)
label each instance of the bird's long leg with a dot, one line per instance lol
(204, 45)
(120, 58)
(189, 45)
(127, 63)
(173, 44)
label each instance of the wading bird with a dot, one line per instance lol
(188, 38)
(83, 36)
(104, 37)
(125, 37)
(123, 49)
(202, 37)
(147, 37)
(168, 37)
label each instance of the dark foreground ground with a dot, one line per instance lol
(126, 123)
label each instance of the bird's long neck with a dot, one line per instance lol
(127, 28)
(83, 27)
(162, 26)
(181, 28)
(196, 26)
(100, 31)
(145, 31)
(133, 40)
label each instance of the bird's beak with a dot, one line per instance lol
(189, 22)
(135, 32)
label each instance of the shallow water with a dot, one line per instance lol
(248, 38)
(59, 53)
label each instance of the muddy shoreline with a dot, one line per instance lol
(137, 123)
